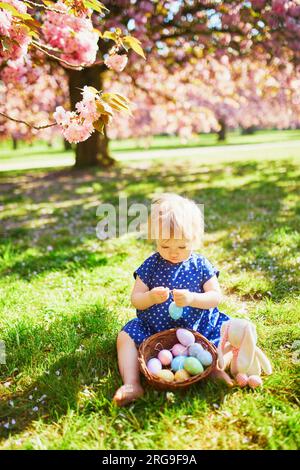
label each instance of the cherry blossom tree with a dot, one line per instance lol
(209, 96)
(75, 38)
(31, 91)
(221, 94)
(63, 33)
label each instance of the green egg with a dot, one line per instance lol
(193, 366)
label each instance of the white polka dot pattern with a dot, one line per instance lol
(190, 274)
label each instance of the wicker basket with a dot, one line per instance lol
(166, 339)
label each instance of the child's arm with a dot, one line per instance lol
(142, 297)
(211, 297)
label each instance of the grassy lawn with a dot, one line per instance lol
(40, 155)
(65, 295)
(207, 140)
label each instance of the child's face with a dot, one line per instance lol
(174, 250)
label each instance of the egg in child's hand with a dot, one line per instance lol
(154, 366)
(178, 363)
(166, 375)
(165, 356)
(195, 349)
(175, 311)
(181, 375)
(185, 337)
(205, 358)
(193, 366)
(179, 350)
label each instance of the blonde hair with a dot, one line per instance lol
(174, 216)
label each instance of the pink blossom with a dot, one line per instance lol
(77, 126)
(73, 128)
(279, 6)
(73, 35)
(88, 93)
(87, 109)
(78, 132)
(20, 6)
(16, 34)
(5, 22)
(116, 62)
(294, 10)
(146, 6)
(62, 117)
(258, 4)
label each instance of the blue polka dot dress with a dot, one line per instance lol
(190, 274)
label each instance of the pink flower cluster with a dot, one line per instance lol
(280, 7)
(20, 71)
(78, 126)
(116, 62)
(74, 35)
(15, 34)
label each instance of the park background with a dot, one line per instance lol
(215, 116)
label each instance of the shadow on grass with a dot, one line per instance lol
(256, 204)
(71, 353)
(79, 373)
(77, 367)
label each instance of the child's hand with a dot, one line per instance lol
(182, 297)
(159, 294)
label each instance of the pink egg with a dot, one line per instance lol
(242, 380)
(179, 350)
(185, 337)
(154, 366)
(254, 381)
(165, 356)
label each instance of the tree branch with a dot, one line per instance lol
(74, 67)
(40, 47)
(40, 5)
(27, 124)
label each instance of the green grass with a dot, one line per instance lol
(206, 140)
(65, 295)
(40, 155)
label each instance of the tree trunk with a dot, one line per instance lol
(67, 145)
(15, 143)
(222, 132)
(248, 130)
(93, 151)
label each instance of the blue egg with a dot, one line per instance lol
(195, 349)
(205, 358)
(178, 363)
(175, 311)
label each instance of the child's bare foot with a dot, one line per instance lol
(127, 393)
(222, 375)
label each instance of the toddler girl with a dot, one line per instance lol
(175, 272)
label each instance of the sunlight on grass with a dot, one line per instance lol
(65, 295)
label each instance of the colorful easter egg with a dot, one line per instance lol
(178, 363)
(241, 380)
(175, 311)
(205, 358)
(254, 381)
(166, 375)
(181, 375)
(195, 349)
(165, 356)
(185, 337)
(179, 350)
(193, 366)
(154, 365)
